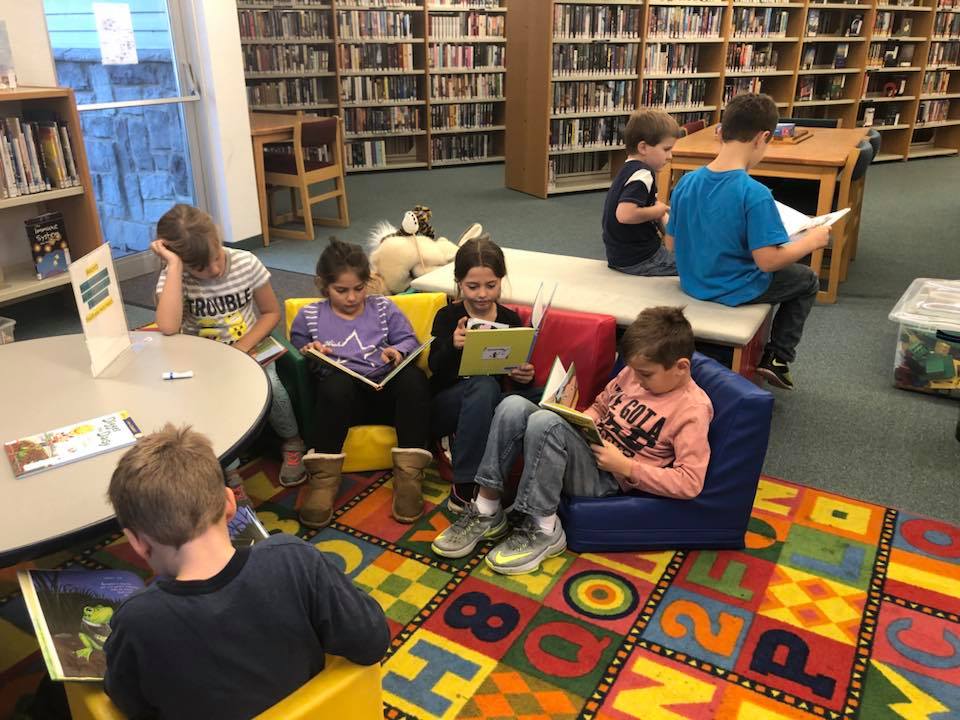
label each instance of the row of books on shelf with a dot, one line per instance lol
(470, 115)
(374, 153)
(947, 24)
(392, 56)
(480, 85)
(289, 91)
(751, 56)
(467, 25)
(379, 89)
(604, 21)
(596, 58)
(825, 56)
(752, 22)
(686, 21)
(890, 55)
(820, 87)
(572, 133)
(933, 111)
(738, 86)
(886, 86)
(944, 53)
(890, 24)
(392, 119)
(593, 96)
(35, 156)
(833, 23)
(375, 24)
(284, 24)
(448, 55)
(671, 58)
(477, 4)
(286, 58)
(474, 146)
(935, 82)
(582, 164)
(673, 93)
(882, 116)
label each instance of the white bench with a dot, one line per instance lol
(590, 286)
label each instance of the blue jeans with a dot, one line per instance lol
(556, 458)
(466, 410)
(661, 264)
(282, 419)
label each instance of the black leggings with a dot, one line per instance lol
(342, 402)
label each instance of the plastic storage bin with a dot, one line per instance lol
(928, 344)
(6, 330)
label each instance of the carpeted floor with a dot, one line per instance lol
(835, 609)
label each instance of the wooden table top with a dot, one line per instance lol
(828, 146)
(48, 381)
(265, 123)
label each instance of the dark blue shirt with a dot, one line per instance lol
(627, 245)
(717, 220)
(237, 643)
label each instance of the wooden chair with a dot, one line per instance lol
(297, 171)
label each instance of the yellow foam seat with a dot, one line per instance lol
(342, 690)
(367, 447)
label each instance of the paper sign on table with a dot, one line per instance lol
(97, 293)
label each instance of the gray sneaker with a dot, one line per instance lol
(292, 470)
(526, 548)
(469, 530)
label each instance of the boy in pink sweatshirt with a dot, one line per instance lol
(652, 417)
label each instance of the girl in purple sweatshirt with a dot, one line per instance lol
(369, 335)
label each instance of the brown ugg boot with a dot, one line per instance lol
(408, 467)
(323, 471)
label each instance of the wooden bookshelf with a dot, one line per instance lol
(379, 66)
(77, 204)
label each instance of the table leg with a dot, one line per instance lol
(258, 172)
(664, 180)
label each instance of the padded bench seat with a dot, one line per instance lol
(590, 286)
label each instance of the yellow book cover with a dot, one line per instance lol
(561, 394)
(496, 351)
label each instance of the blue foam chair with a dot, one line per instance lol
(717, 518)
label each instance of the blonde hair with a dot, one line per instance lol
(189, 233)
(169, 486)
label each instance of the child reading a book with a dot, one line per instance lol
(730, 242)
(464, 406)
(369, 335)
(652, 418)
(223, 632)
(633, 217)
(224, 294)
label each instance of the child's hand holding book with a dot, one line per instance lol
(315, 346)
(391, 355)
(610, 458)
(460, 334)
(522, 374)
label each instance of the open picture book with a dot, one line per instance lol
(796, 223)
(70, 443)
(561, 394)
(493, 348)
(267, 350)
(71, 609)
(332, 361)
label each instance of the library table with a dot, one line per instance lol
(735, 335)
(46, 384)
(827, 154)
(268, 128)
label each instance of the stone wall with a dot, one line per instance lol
(138, 156)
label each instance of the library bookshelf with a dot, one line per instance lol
(419, 83)
(578, 68)
(77, 204)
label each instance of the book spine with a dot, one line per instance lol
(68, 155)
(17, 158)
(10, 177)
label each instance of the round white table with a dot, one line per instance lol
(46, 384)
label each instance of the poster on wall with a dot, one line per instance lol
(8, 77)
(115, 33)
(97, 293)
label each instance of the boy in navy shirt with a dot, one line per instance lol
(633, 217)
(731, 246)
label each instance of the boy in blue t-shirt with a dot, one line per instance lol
(730, 243)
(633, 218)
